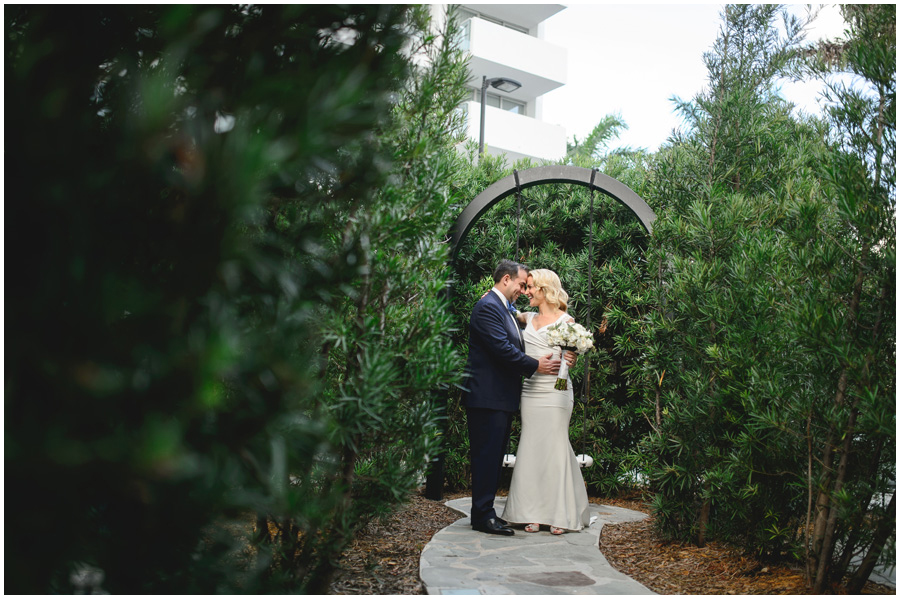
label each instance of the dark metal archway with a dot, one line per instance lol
(541, 175)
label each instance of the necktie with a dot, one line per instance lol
(512, 312)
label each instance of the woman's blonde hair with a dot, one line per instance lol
(548, 282)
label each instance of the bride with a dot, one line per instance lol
(547, 487)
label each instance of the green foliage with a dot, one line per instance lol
(846, 243)
(720, 444)
(730, 125)
(716, 344)
(769, 357)
(228, 299)
(387, 351)
(592, 148)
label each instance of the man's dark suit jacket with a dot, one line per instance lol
(497, 360)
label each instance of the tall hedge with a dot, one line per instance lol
(224, 294)
(770, 356)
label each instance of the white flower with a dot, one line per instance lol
(570, 335)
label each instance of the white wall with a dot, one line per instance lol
(540, 66)
(516, 135)
(500, 52)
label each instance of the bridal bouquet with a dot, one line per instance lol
(569, 336)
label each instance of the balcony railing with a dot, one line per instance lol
(514, 134)
(499, 51)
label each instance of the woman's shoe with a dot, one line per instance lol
(532, 527)
(557, 531)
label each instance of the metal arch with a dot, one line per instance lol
(539, 176)
(434, 481)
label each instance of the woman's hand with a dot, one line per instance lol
(571, 358)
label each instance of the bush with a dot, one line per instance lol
(775, 266)
(208, 321)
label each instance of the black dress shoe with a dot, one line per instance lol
(493, 527)
(502, 521)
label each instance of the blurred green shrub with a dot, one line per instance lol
(224, 300)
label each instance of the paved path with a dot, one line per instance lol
(460, 561)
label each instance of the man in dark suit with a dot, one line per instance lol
(497, 362)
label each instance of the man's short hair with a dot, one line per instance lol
(508, 267)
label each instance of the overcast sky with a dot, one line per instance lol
(631, 59)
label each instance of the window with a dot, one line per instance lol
(498, 101)
(465, 14)
(512, 106)
(464, 35)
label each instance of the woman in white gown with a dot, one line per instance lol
(547, 487)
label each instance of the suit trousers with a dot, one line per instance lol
(488, 434)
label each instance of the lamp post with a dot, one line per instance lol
(504, 84)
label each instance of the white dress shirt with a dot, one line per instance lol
(506, 303)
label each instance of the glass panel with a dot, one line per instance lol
(498, 101)
(513, 106)
(465, 13)
(464, 35)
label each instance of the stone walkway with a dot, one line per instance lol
(460, 561)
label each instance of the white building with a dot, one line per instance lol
(506, 40)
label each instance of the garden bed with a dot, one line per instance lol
(384, 558)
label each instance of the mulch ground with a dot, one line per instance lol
(384, 558)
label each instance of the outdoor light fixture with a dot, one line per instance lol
(504, 84)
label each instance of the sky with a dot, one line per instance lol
(632, 59)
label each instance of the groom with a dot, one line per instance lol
(497, 362)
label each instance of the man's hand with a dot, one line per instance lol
(548, 365)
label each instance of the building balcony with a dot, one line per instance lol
(498, 51)
(528, 16)
(515, 135)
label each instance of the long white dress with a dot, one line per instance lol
(547, 486)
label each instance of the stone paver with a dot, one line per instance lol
(460, 561)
